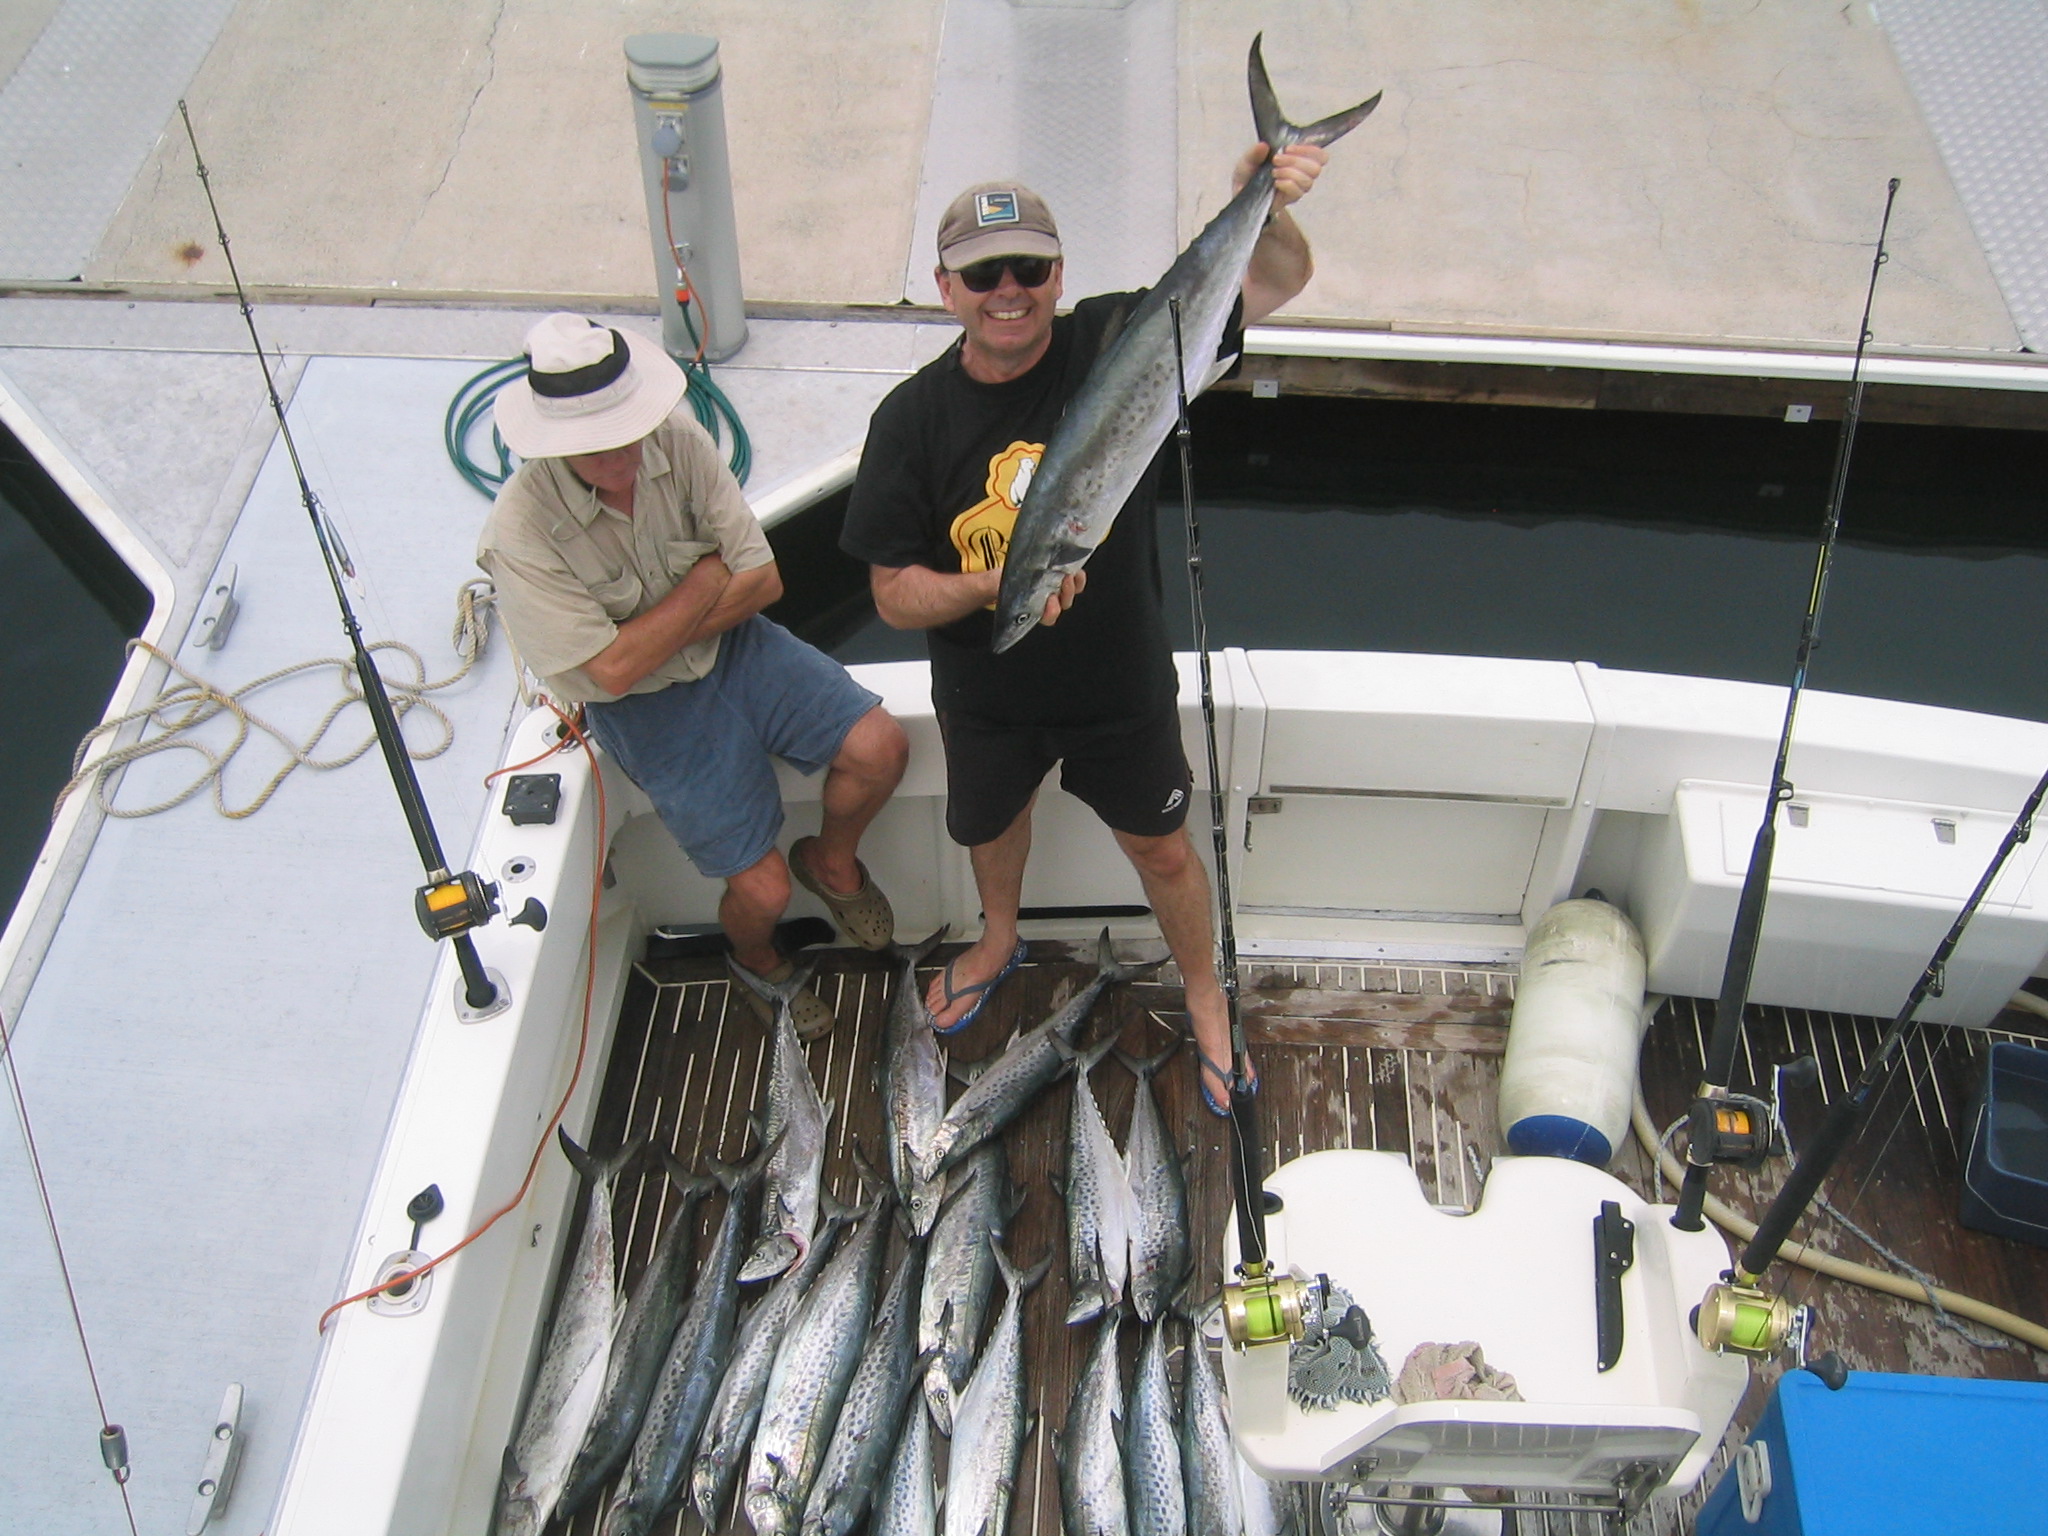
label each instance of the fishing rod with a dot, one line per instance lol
(1260, 1307)
(1727, 1127)
(449, 905)
(1737, 1315)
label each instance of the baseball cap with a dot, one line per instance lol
(996, 218)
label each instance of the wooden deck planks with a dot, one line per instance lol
(1404, 1059)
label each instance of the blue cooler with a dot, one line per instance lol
(1911, 1455)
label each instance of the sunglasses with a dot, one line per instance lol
(983, 276)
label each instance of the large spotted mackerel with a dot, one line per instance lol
(1129, 401)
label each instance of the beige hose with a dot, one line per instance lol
(1826, 1263)
(2027, 1002)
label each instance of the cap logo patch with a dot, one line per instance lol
(994, 208)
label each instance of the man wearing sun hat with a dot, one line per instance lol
(632, 576)
(949, 456)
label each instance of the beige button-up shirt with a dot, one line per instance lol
(569, 569)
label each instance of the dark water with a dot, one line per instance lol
(67, 609)
(1649, 542)
(1658, 543)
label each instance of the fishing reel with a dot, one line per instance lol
(1262, 1307)
(454, 904)
(1730, 1128)
(1737, 1317)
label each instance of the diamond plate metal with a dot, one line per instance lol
(1078, 102)
(79, 118)
(1980, 74)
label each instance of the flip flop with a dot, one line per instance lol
(1219, 1108)
(865, 916)
(979, 991)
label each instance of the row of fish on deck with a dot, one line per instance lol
(800, 1409)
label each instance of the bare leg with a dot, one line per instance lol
(1178, 887)
(999, 880)
(857, 785)
(751, 907)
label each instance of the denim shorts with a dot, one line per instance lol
(700, 750)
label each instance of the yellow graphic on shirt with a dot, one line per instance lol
(981, 534)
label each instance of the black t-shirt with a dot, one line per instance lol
(947, 461)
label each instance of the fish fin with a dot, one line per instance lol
(965, 1072)
(1112, 329)
(1275, 131)
(1018, 1195)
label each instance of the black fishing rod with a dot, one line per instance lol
(1738, 1316)
(1261, 1307)
(449, 905)
(1726, 1127)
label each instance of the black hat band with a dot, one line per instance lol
(587, 380)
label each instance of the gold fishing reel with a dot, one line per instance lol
(1739, 1319)
(1262, 1307)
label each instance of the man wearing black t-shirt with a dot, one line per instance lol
(949, 455)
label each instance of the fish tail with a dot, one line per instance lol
(915, 954)
(778, 992)
(1083, 1060)
(1143, 1067)
(1111, 970)
(690, 1184)
(734, 1177)
(1275, 131)
(869, 1174)
(601, 1169)
(838, 1211)
(1019, 1281)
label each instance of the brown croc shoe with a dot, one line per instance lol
(864, 917)
(808, 1012)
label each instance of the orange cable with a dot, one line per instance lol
(405, 1277)
(560, 746)
(686, 293)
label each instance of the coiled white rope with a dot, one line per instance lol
(182, 709)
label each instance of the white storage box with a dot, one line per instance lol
(1861, 892)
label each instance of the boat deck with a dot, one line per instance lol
(1402, 1059)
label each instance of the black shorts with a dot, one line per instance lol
(1133, 775)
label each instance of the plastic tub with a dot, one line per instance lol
(2005, 1181)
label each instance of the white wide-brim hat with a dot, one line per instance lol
(587, 389)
